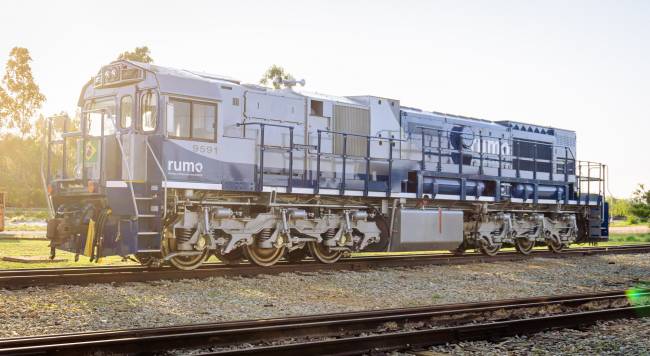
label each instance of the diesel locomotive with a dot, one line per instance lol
(173, 166)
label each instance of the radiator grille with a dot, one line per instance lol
(354, 121)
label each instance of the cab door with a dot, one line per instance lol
(142, 123)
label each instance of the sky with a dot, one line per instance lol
(579, 65)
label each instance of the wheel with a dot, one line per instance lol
(262, 256)
(488, 250)
(186, 263)
(297, 255)
(524, 246)
(323, 254)
(232, 258)
(554, 245)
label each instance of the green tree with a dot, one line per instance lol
(619, 207)
(275, 75)
(641, 203)
(20, 160)
(139, 54)
(20, 96)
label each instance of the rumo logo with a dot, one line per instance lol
(184, 166)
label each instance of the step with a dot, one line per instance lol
(148, 233)
(148, 251)
(143, 198)
(147, 215)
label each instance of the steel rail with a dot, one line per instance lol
(356, 332)
(21, 278)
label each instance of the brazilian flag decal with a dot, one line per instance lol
(90, 151)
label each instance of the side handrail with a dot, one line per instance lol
(368, 158)
(162, 172)
(48, 197)
(262, 125)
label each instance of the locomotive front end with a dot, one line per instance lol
(84, 153)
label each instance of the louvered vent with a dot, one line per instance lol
(355, 121)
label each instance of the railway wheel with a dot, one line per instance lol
(264, 257)
(489, 250)
(524, 246)
(323, 254)
(186, 263)
(297, 255)
(232, 258)
(554, 245)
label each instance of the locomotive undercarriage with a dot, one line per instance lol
(266, 228)
(523, 230)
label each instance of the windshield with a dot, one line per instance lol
(95, 110)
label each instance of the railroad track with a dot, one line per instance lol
(21, 278)
(354, 332)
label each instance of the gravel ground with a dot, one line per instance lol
(59, 309)
(620, 337)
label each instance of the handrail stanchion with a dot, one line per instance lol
(579, 181)
(480, 166)
(290, 180)
(366, 186)
(344, 159)
(534, 161)
(423, 162)
(461, 159)
(49, 150)
(260, 180)
(566, 164)
(500, 154)
(318, 153)
(389, 188)
(588, 199)
(164, 176)
(516, 142)
(64, 149)
(439, 150)
(101, 152)
(552, 163)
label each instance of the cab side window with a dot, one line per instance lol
(148, 119)
(191, 120)
(126, 112)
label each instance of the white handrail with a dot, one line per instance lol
(162, 171)
(48, 198)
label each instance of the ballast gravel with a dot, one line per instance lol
(61, 309)
(618, 337)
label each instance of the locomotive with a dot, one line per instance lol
(174, 166)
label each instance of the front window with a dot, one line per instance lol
(98, 109)
(126, 112)
(149, 111)
(191, 120)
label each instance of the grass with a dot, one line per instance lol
(625, 223)
(25, 215)
(25, 227)
(627, 238)
(41, 248)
